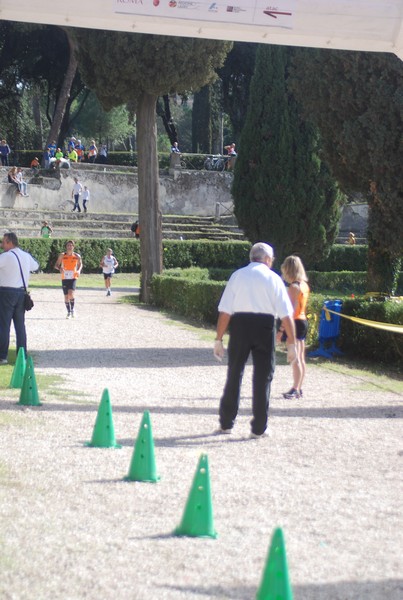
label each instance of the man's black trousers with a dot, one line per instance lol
(249, 333)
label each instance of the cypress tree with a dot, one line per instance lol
(283, 192)
(356, 99)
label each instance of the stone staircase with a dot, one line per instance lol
(28, 223)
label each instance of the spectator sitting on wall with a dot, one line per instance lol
(351, 239)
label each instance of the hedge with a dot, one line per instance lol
(123, 159)
(198, 299)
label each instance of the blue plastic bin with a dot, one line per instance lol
(329, 330)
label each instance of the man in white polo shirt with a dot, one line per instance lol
(12, 292)
(252, 300)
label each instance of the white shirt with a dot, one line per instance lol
(86, 195)
(109, 264)
(10, 275)
(256, 289)
(77, 188)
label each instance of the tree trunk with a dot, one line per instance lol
(64, 92)
(150, 219)
(36, 111)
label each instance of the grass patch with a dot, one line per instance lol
(90, 280)
(371, 377)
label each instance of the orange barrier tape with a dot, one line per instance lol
(385, 326)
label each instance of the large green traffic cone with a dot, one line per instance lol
(142, 466)
(29, 391)
(17, 378)
(103, 435)
(275, 584)
(197, 520)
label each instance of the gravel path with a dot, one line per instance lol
(72, 529)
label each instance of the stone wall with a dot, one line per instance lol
(115, 189)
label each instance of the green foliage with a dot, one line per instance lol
(347, 282)
(367, 342)
(205, 254)
(236, 75)
(190, 298)
(40, 249)
(345, 93)
(93, 122)
(282, 191)
(134, 64)
(342, 257)
(46, 252)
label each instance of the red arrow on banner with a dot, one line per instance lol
(273, 13)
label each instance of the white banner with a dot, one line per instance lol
(249, 12)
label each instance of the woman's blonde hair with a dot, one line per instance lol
(293, 269)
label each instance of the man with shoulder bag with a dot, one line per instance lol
(15, 269)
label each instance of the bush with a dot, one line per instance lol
(362, 341)
(199, 300)
(342, 258)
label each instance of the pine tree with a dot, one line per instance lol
(135, 69)
(283, 193)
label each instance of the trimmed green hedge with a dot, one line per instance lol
(363, 341)
(123, 159)
(342, 258)
(198, 299)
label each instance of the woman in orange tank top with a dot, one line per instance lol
(294, 274)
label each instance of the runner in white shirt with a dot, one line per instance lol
(108, 264)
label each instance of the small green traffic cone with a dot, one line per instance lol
(29, 391)
(103, 435)
(197, 520)
(275, 584)
(142, 466)
(17, 378)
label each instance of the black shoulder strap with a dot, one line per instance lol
(19, 264)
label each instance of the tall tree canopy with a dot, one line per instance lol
(356, 99)
(283, 192)
(236, 75)
(135, 69)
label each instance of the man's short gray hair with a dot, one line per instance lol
(260, 251)
(12, 238)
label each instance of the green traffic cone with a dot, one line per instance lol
(142, 466)
(17, 378)
(29, 391)
(275, 584)
(103, 435)
(197, 520)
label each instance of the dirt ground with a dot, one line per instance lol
(71, 528)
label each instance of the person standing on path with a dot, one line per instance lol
(86, 198)
(76, 193)
(69, 264)
(253, 297)
(12, 292)
(108, 264)
(294, 274)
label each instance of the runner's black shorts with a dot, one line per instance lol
(68, 284)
